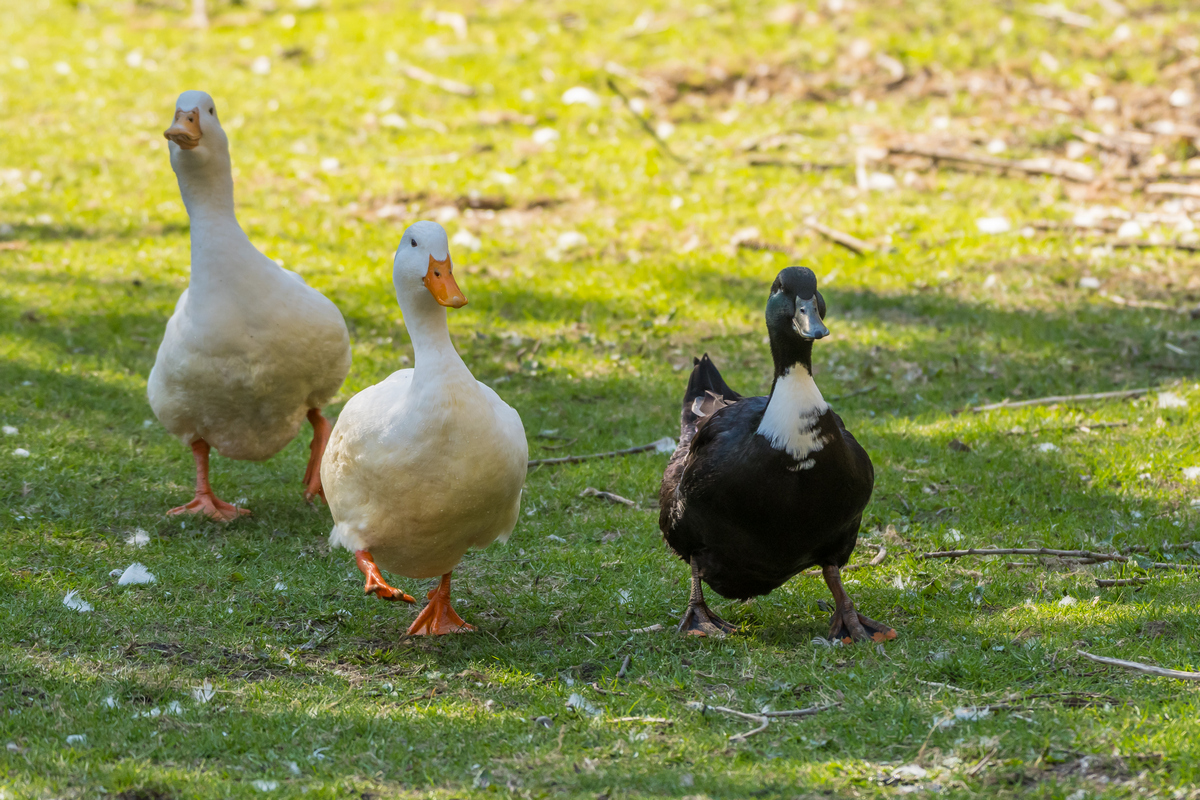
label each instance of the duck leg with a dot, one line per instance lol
(847, 624)
(376, 585)
(698, 620)
(438, 617)
(312, 474)
(206, 502)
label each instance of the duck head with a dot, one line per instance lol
(423, 265)
(195, 134)
(795, 314)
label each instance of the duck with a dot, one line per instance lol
(762, 488)
(251, 350)
(430, 462)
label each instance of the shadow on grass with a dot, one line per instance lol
(55, 232)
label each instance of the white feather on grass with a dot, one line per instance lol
(74, 602)
(135, 574)
(139, 538)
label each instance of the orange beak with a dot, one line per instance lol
(439, 280)
(185, 130)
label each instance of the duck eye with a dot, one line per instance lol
(212, 110)
(414, 242)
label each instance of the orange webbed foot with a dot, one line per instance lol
(438, 618)
(851, 626)
(376, 585)
(211, 506)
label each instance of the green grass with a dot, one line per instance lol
(315, 691)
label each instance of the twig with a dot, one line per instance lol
(1058, 168)
(1087, 555)
(1178, 189)
(320, 637)
(609, 496)
(445, 84)
(1086, 427)
(1060, 14)
(1108, 226)
(653, 628)
(588, 639)
(600, 690)
(624, 667)
(940, 685)
(759, 244)
(803, 166)
(1146, 244)
(1143, 548)
(851, 243)
(982, 762)
(1063, 398)
(653, 134)
(1134, 303)
(1146, 669)
(879, 557)
(651, 720)
(763, 718)
(855, 393)
(1103, 582)
(641, 448)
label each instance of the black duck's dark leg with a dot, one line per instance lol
(847, 624)
(698, 620)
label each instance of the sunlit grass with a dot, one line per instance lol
(314, 691)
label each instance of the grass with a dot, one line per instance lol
(314, 691)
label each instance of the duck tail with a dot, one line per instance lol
(708, 387)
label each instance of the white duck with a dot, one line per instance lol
(250, 350)
(430, 462)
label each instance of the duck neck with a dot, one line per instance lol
(433, 352)
(794, 409)
(216, 237)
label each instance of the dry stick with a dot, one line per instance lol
(652, 720)
(1084, 426)
(1143, 668)
(1045, 551)
(855, 393)
(759, 244)
(653, 134)
(1157, 306)
(763, 717)
(851, 243)
(803, 166)
(982, 762)
(1103, 582)
(1057, 168)
(609, 496)
(1178, 189)
(940, 685)
(1142, 548)
(1145, 245)
(445, 84)
(1062, 398)
(624, 667)
(653, 628)
(641, 448)
(1059, 14)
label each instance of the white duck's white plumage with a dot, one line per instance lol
(250, 348)
(430, 462)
